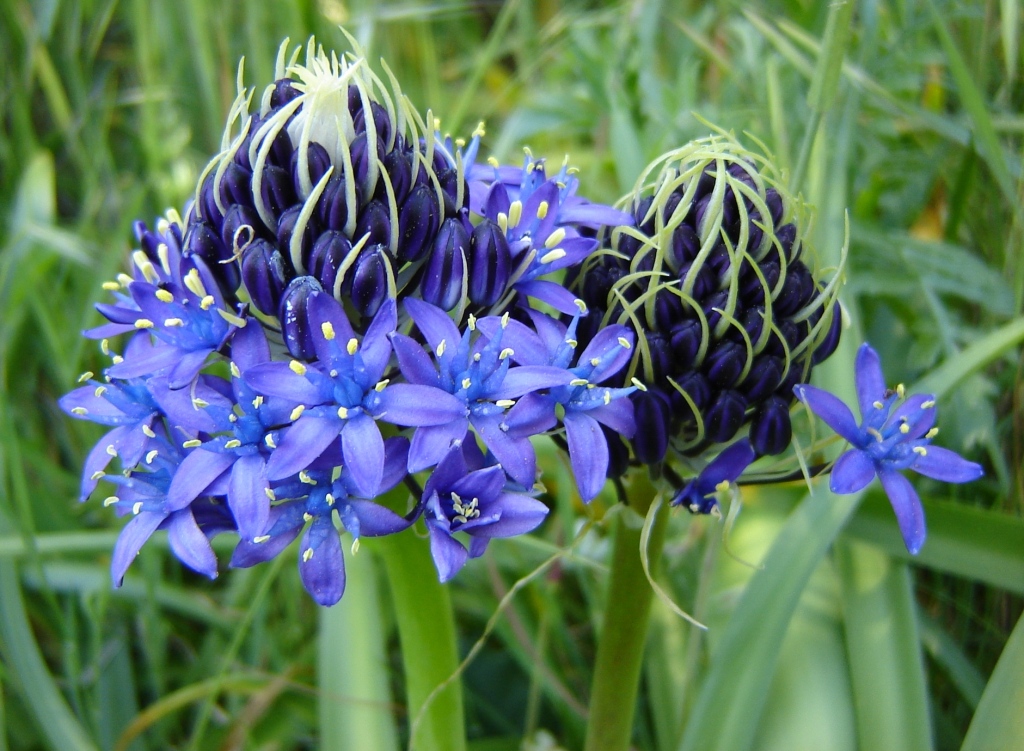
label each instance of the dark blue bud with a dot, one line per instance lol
(799, 372)
(652, 410)
(715, 303)
(698, 389)
(786, 235)
(265, 275)
(752, 291)
(286, 227)
(361, 156)
(618, 453)
(703, 284)
(236, 186)
(398, 166)
(725, 416)
(332, 208)
(831, 341)
(295, 328)
(764, 377)
(203, 241)
(418, 222)
(598, 285)
(645, 223)
(775, 205)
(366, 283)
(355, 101)
(668, 308)
(661, 353)
(277, 190)
(684, 248)
(449, 180)
(208, 204)
(752, 322)
(705, 183)
(790, 333)
(445, 269)
(628, 247)
(243, 222)
(724, 363)
(686, 338)
(797, 290)
(328, 253)
(241, 156)
(284, 91)
(489, 263)
(375, 221)
(770, 429)
(381, 121)
(318, 160)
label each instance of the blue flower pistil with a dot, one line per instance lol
(894, 434)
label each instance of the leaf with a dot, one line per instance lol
(998, 725)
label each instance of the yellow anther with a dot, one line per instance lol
(638, 384)
(172, 322)
(582, 306)
(110, 500)
(460, 142)
(235, 372)
(901, 391)
(305, 478)
(307, 554)
(232, 417)
(343, 413)
(573, 344)
(504, 320)
(506, 353)
(471, 322)
(877, 436)
(257, 402)
(270, 493)
(117, 359)
(195, 284)
(440, 348)
(381, 385)
(85, 376)
(269, 440)
(493, 161)
(553, 255)
(207, 302)
(355, 546)
(330, 499)
(477, 356)
(111, 451)
(260, 539)
(143, 323)
(904, 428)
(921, 450)
(192, 443)
(97, 475)
(503, 222)
(151, 456)
(200, 403)
(542, 211)
(111, 286)
(607, 396)
(328, 330)
(578, 382)
(307, 517)
(79, 411)
(931, 433)
(479, 131)
(595, 361)
(466, 383)
(352, 347)
(877, 405)
(148, 431)
(505, 403)
(624, 342)
(722, 486)
(928, 404)
(100, 390)
(297, 412)
(515, 213)
(333, 373)
(233, 444)
(105, 346)
(555, 238)
(297, 367)
(137, 507)
(164, 296)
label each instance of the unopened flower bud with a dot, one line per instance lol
(366, 283)
(445, 269)
(489, 264)
(418, 222)
(298, 336)
(325, 259)
(265, 274)
(771, 429)
(725, 416)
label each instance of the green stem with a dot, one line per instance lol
(426, 630)
(620, 648)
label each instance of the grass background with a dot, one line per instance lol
(910, 120)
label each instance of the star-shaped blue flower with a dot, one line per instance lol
(886, 441)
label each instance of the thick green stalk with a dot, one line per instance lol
(426, 630)
(621, 642)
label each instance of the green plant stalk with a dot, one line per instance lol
(623, 635)
(426, 631)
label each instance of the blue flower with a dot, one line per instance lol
(698, 495)
(886, 441)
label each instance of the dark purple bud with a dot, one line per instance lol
(286, 227)
(366, 283)
(449, 180)
(703, 284)
(598, 285)
(698, 389)
(318, 160)
(618, 453)
(445, 269)
(375, 221)
(265, 275)
(298, 336)
(786, 235)
(202, 240)
(627, 246)
(399, 168)
(361, 163)
(752, 321)
(381, 121)
(685, 246)
(276, 189)
(831, 340)
(771, 430)
(752, 290)
(418, 222)
(764, 377)
(355, 101)
(725, 416)
(241, 156)
(712, 306)
(236, 186)
(790, 333)
(705, 184)
(242, 223)
(332, 208)
(489, 261)
(775, 206)
(329, 252)
(719, 260)
(284, 91)
(686, 338)
(668, 309)
(652, 411)
(724, 363)
(661, 353)
(643, 222)
(797, 290)
(208, 204)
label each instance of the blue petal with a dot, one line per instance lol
(870, 379)
(97, 408)
(323, 570)
(526, 378)
(588, 452)
(516, 455)
(830, 409)
(157, 360)
(363, 448)
(555, 295)
(323, 308)
(617, 415)
(376, 346)
(396, 459)
(430, 444)
(249, 346)
(187, 367)
(449, 555)
(286, 521)
(726, 467)
(528, 347)
(483, 484)
(433, 323)
(414, 362)
(519, 514)
(97, 461)
(278, 379)
(531, 415)
(607, 341)
(852, 472)
(190, 545)
(447, 473)
(920, 419)
(130, 541)
(303, 442)
(413, 405)
(947, 466)
(376, 520)
(247, 495)
(907, 506)
(194, 475)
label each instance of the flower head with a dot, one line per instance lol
(894, 434)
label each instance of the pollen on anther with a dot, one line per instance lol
(79, 411)
(636, 382)
(343, 413)
(297, 367)
(143, 323)
(904, 428)
(928, 404)
(515, 213)
(111, 500)
(440, 348)
(164, 296)
(233, 444)
(111, 450)
(111, 286)
(148, 432)
(328, 330)
(506, 353)
(235, 372)
(307, 554)
(471, 322)
(466, 383)
(931, 433)
(381, 385)
(297, 412)
(580, 305)
(555, 238)
(85, 376)
(352, 347)
(900, 390)
(542, 211)
(137, 507)
(330, 499)
(552, 255)
(578, 382)
(207, 302)
(269, 440)
(877, 405)
(260, 539)
(921, 450)
(624, 342)
(191, 444)
(722, 486)
(270, 493)
(505, 403)
(151, 456)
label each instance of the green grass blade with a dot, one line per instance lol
(884, 652)
(998, 725)
(948, 653)
(825, 83)
(979, 355)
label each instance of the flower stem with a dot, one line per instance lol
(426, 630)
(621, 642)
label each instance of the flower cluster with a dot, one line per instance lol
(353, 302)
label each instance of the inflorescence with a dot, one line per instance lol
(353, 301)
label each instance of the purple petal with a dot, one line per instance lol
(286, 521)
(588, 452)
(617, 415)
(531, 415)
(726, 467)
(450, 469)
(249, 346)
(363, 447)
(414, 362)
(247, 495)
(920, 419)
(870, 379)
(303, 442)
(594, 215)
(607, 340)
(555, 295)
(528, 347)
(526, 378)
(516, 455)
(187, 367)
(323, 308)
(131, 540)
(519, 514)
(907, 507)
(159, 359)
(98, 409)
(485, 484)
(478, 546)
(433, 323)
(375, 520)
(182, 411)
(194, 475)
(321, 564)
(98, 459)
(278, 379)
(412, 405)
(376, 346)
(947, 466)
(449, 555)
(396, 459)
(430, 444)
(852, 472)
(834, 413)
(190, 545)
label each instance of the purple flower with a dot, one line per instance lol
(886, 441)
(698, 495)
(456, 499)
